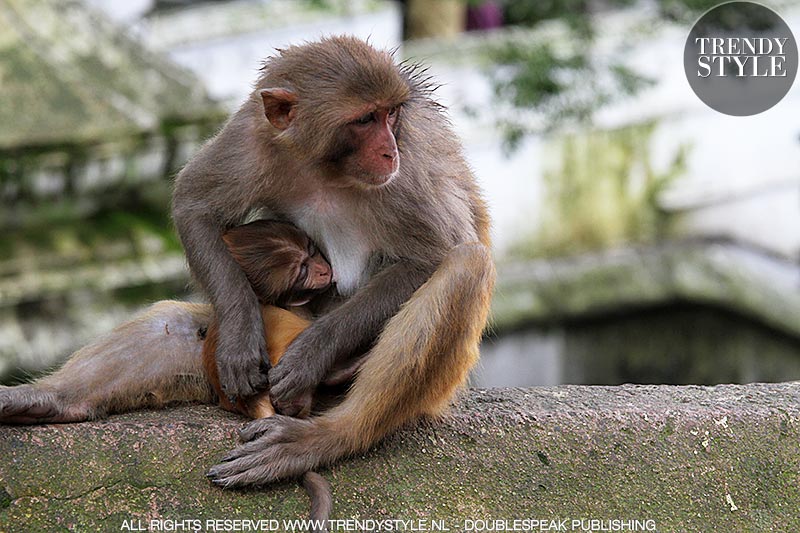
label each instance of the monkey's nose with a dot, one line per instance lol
(322, 274)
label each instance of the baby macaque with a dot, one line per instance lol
(285, 269)
(167, 353)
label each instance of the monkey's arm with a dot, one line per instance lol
(281, 327)
(342, 332)
(241, 351)
(422, 356)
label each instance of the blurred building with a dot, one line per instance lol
(225, 42)
(102, 113)
(103, 101)
(92, 126)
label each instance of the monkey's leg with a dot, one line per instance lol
(338, 335)
(345, 372)
(422, 356)
(146, 362)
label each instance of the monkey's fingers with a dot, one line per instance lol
(343, 374)
(290, 388)
(240, 372)
(298, 407)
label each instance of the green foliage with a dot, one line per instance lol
(555, 86)
(575, 13)
(563, 82)
(128, 224)
(686, 11)
(549, 89)
(601, 191)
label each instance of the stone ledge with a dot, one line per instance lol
(723, 458)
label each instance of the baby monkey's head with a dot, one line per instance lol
(282, 264)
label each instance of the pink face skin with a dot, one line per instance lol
(367, 151)
(378, 159)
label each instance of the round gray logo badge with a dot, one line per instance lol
(740, 58)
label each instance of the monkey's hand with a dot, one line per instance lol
(298, 372)
(242, 359)
(346, 330)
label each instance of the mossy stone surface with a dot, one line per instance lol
(723, 458)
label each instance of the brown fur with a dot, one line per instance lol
(270, 253)
(409, 248)
(281, 328)
(150, 361)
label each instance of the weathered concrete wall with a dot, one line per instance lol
(717, 272)
(721, 458)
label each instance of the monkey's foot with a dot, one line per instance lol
(25, 404)
(274, 448)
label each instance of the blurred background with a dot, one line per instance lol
(639, 235)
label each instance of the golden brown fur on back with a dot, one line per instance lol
(150, 361)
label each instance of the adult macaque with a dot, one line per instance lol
(342, 142)
(351, 148)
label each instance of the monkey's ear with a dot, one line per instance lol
(279, 106)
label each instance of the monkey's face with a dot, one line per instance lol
(336, 106)
(367, 148)
(282, 264)
(312, 275)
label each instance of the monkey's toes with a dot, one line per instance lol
(258, 463)
(25, 405)
(273, 430)
(255, 429)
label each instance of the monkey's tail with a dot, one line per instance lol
(319, 490)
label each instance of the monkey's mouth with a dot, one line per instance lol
(376, 180)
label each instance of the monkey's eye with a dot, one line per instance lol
(366, 119)
(393, 111)
(301, 278)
